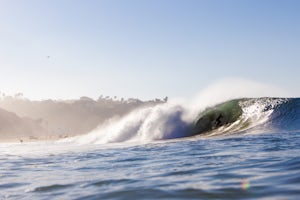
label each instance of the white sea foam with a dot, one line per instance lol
(172, 119)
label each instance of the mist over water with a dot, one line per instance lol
(175, 118)
(109, 120)
(229, 142)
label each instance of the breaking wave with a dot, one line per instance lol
(173, 120)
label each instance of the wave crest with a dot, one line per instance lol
(167, 121)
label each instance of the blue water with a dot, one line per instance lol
(241, 167)
(244, 165)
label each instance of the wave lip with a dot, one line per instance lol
(237, 116)
(162, 122)
(218, 116)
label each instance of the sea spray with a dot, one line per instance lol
(142, 125)
(166, 121)
(228, 89)
(176, 118)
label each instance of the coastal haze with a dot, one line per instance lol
(152, 99)
(26, 120)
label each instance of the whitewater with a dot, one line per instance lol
(235, 140)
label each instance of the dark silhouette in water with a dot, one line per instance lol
(218, 120)
(215, 117)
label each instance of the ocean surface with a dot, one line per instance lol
(246, 149)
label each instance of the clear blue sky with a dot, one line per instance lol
(145, 48)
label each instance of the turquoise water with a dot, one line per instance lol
(234, 161)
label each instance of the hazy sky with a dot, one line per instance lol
(145, 48)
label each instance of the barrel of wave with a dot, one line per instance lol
(217, 116)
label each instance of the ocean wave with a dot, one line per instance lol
(168, 121)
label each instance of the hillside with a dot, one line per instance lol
(15, 128)
(52, 119)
